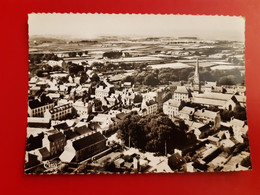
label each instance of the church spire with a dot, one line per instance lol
(196, 80)
(196, 73)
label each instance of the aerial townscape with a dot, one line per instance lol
(136, 105)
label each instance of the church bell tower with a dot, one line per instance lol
(196, 80)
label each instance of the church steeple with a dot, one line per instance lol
(196, 73)
(196, 80)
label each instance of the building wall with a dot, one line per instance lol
(81, 109)
(58, 115)
(181, 97)
(152, 109)
(39, 112)
(90, 151)
(230, 105)
(171, 111)
(100, 94)
(184, 116)
(57, 146)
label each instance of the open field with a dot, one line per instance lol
(170, 65)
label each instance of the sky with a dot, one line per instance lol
(94, 25)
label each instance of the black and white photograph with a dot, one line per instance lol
(136, 93)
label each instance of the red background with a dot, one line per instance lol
(13, 101)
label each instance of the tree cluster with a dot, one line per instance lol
(39, 70)
(113, 54)
(153, 133)
(75, 68)
(38, 58)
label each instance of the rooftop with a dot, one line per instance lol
(37, 120)
(187, 110)
(150, 102)
(82, 130)
(88, 140)
(237, 122)
(56, 136)
(173, 103)
(181, 89)
(62, 125)
(206, 113)
(60, 108)
(37, 103)
(214, 96)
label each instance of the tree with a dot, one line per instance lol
(83, 77)
(151, 133)
(95, 77)
(156, 72)
(39, 73)
(113, 54)
(226, 115)
(75, 69)
(165, 77)
(54, 57)
(240, 112)
(151, 80)
(227, 80)
(138, 98)
(80, 53)
(129, 79)
(56, 68)
(97, 64)
(72, 54)
(63, 80)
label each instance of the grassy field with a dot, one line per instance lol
(170, 65)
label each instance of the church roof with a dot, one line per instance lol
(215, 96)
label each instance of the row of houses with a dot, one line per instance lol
(69, 142)
(220, 100)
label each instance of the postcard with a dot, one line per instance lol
(133, 93)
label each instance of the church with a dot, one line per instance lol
(196, 81)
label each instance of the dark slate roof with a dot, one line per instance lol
(60, 108)
(46, 99)
(35, 104)
(88, 140)
(204, 127)
(44, 152)
(94, 125)
(82, 130)
(56, 136)
(90, 117)
(70, 134)
(62, 125)
(150, 102)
